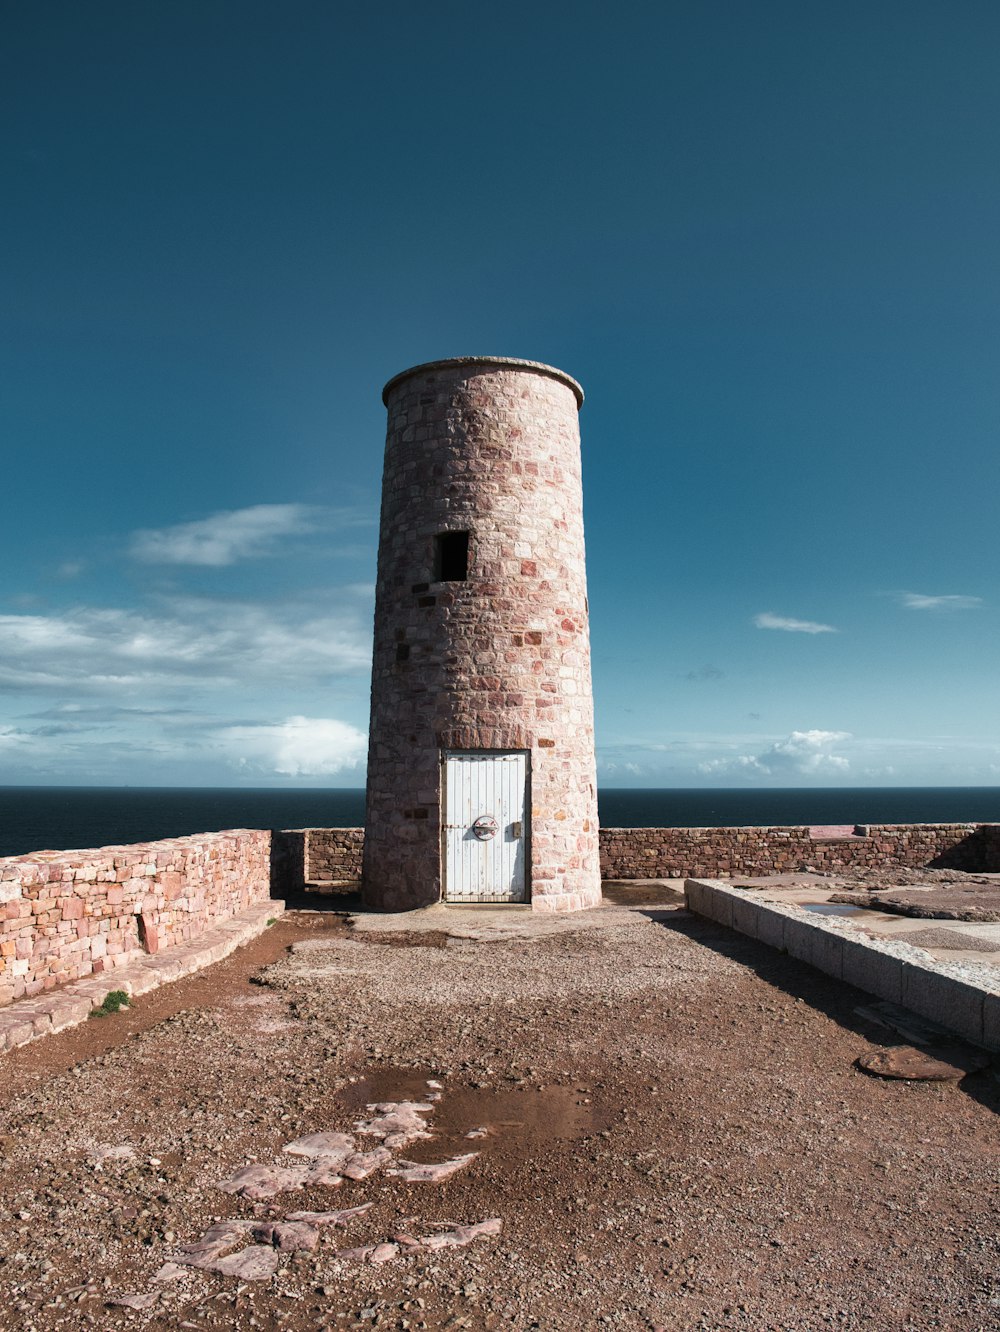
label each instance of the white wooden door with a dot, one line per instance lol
(485, 829)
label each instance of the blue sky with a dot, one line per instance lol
(764, 237)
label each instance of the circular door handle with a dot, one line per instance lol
(485, 827)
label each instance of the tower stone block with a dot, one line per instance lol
(481, 778)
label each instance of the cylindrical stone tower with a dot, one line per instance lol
(481, 781)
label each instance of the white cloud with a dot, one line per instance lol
(223, 538)
(609, 768)
(806, 753)
(919, 601)
(11, 737)
(768, 620)
(214, 643)
(296, 747)
(185, 689)
(802, 759)
(745, 763)
(109, 745)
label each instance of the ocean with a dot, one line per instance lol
(55, 818)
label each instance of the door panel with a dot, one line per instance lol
(485, 827)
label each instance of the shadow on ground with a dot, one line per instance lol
(837, 1000)
(340, 904)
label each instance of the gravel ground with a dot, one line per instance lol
(677, 1136)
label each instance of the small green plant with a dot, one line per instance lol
(273, 920)
(114, 1000)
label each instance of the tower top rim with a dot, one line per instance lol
(485, 362)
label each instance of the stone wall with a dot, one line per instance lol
(334, 853)
(305, 856)
(714, 853)
(656, 853)
(989, 834)
(68, 914)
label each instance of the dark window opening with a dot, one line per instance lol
(402, 652)
(451, 557)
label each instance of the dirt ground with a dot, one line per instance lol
(677, 1136)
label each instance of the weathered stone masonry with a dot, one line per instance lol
(318, 856)
(69, 914)
(499, 660)
(631, 853)
(655, 853)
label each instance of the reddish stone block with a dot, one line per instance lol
(171, 883)
(148, 933)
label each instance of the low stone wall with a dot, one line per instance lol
(714, 853)
(961, 996)
(333, 853)
(324, 854)
(989, 834)
(305, 856)
(68, 914)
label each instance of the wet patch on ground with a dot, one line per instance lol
(525, 1119)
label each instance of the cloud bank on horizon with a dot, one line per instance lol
(187, 686)
(806, 753)
(217, 688)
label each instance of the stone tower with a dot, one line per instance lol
(481, 782)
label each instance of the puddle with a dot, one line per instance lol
(527, 1115)
(387, 1085)
(832, 908)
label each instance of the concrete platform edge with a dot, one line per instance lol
(944, 992)
(44, 1014)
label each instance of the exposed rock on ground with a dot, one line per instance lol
(971, 901)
